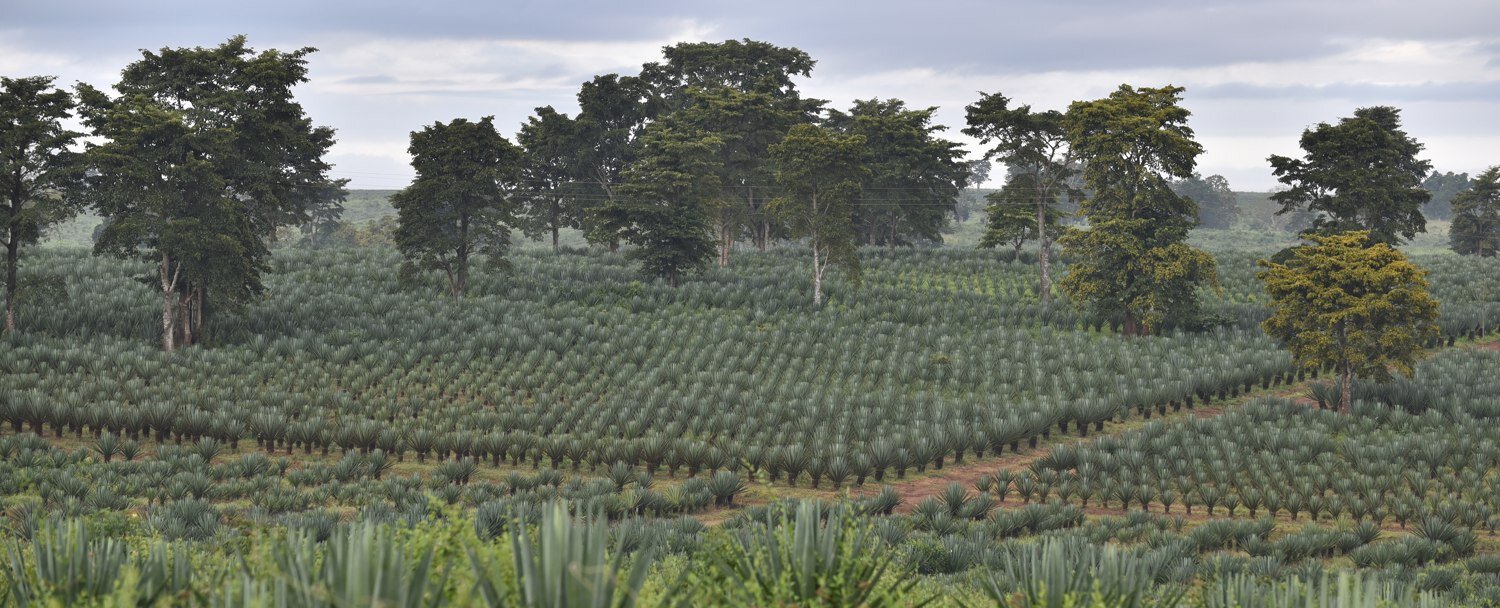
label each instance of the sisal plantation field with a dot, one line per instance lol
(936, 421)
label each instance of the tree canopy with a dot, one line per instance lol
(1360, 174)
(550, 197)
(914, 176)
(743, 93)
(203, 154)
(38, 170)
(1476, 216)
(667, 200)
(1133, 262)
(1443, 186)
(1351, 303)
(460, 204)
(1217, 206)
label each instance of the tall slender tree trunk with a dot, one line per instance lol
(1131, 328)
(556, 221)
(725, 240)
(461, 274)
(1346, 386)
(200, 297)
(12, 278)
(1346, 372)
(1045, 289)
(184, 320)
(168, 276)
(817, 273)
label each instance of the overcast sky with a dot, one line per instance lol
(1257, 72)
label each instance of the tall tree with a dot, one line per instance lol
(1353, 304)
(1360, 174)
(819, 172)
(1037, 147)
(1476, 216)
(1443, 186)
(203, 155)
(742, 92)
(613, 110)
(1217, 207)
(1133, 261)
(37, 170)
(459, 204)
(551, 198)
(915, 176)
(667, 201)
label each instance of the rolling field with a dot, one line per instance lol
(966, 426)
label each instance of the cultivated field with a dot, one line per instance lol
(954, 426)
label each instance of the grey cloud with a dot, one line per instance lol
(369, 79)
(1367, 93)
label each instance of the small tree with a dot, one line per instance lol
(819, 174)
(1011, 217)
(667, 199)
(1476, 216)
(36, 169)
(549, 140)
(1345, 302)
(457, 206)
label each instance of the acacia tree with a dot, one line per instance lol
(1346, 302)
(1360, 174)
(37, 170)
(203, 154)
(667, 200)
(458, 206)
(915, 176)
(1037, 148)
(819, 173)
(1476, 216)
(1133, 261)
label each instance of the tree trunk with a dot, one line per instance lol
(1130, 325)
(817, 275)
(1045, 289)
(722, 228)
(202, 300)
(554, 237)
(764, 239)
(168, 300)
(184, 320)
(12, 278)
(1346, 382)
(461, 274)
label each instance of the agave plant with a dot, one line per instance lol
(812, 562)
(564, 563)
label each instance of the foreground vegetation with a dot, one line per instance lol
(352, 436)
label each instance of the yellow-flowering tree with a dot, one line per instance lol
(1353, 304)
